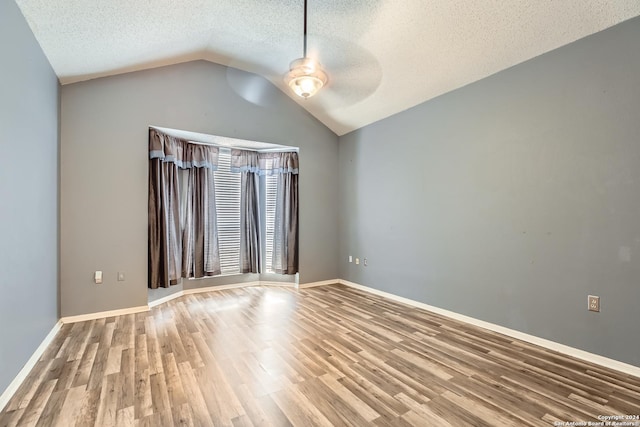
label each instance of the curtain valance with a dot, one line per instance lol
(278, 163)
(184, 154)
(272, 163)
(244, 161)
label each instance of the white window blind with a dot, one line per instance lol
(228, 211)
(271, 182)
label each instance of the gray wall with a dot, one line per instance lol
(104, 171)
(511, 199)
(28, 194)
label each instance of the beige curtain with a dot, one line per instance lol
(246, 163)
(250, 223)
(201, 256)
(285, 239)
(165, 247)
(192, 252)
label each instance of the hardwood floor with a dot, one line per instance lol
(322, 356)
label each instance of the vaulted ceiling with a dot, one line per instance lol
(382, 56)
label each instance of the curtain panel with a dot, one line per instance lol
(246, 163)
(285, 242)
(285, 238)
(176, 251)
(201, 254)
(165, 245)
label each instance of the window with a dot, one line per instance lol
(228, 212)
(186, 177)
(271, 188)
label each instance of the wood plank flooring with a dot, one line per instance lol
(317, 357)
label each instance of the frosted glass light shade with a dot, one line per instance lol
(305, 77)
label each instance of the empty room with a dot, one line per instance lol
(320, 213)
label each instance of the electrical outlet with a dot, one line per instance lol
(364, 262)
(594, 303)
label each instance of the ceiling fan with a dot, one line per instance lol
(350, 73)
(306, 76)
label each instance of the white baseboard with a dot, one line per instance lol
(220, 287)
(168, 298)
(282, 284)
(532, 339)
(26, 369)
(322, 283)
(101, 314)
(199, 290)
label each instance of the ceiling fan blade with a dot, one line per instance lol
(252, 87)
(354, 73)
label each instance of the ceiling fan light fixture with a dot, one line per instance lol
(305, 77)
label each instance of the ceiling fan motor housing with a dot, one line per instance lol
(305, 77)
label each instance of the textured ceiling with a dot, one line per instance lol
(382, 56)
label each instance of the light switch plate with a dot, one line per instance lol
(120, 276)
(97, 277)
